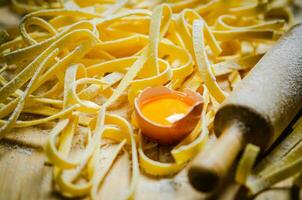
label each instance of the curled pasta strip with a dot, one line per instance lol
(91, 151)
(36, 21)
(29, 52)
(246, 163)
(164, 74)
(21, 101)
(245, 34)
(141, 61)
(26, 74)
(203, 62)
(34, 69)
(243, 63)
(228, 22)
(87, 104)
(65, 112)
(24, 7)
(64, 12)
(158, 28)
(161, 78)
(185, 19)
(128, 135)
(58, 155)
(250, 9)
(53, 153)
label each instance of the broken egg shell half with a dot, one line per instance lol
(168, 134)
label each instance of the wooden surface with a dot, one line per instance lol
(25, 174)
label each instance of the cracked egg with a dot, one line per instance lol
(167, 115)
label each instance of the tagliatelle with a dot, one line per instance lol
(80, 65)
(202, 61)
(25, 7)
(246, 163)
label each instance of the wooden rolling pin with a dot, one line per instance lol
(257, 111)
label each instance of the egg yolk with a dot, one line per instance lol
(165, 111)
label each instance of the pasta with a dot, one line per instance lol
(76, 65)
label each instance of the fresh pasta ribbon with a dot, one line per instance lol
(202, 61)
(246, 163)
(25, 7)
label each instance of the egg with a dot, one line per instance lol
(167, 115)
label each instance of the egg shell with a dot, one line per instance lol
(168, 134)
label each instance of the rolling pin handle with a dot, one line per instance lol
(207, 171)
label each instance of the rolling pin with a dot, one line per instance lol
(257, 111)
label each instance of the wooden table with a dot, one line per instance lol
(25, 175)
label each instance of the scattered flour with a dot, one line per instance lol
(23, 150)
